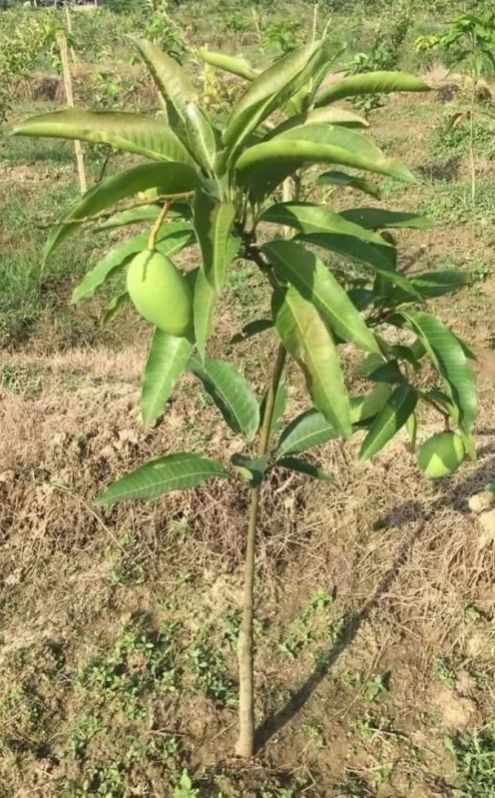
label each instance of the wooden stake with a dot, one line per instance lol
(69, 96)
(68, 20)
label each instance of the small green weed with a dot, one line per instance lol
(444, 671)
(185, 787)
(142, 662)
(307, 627)
(207, 665)
(474, 755)
(453, 139)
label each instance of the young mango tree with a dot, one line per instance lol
(220, 191)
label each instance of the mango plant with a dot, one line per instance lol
(246, 191)
(468, 43)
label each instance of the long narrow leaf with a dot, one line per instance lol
(380, 259)
(167, 360)
(124, 131)
(173, 472)
(171, 239)
(201, 136)
(271, 161)
(304, 432)
(213, 222)
(229, 63)
(431, 284)
(308, 340)
(204, 302)
(172, 178)
(327, 116)
(147, 213)
(316, 283)
(114, 306)
(370, 83)
(448, 355)
(336, 178)
(231, 394)
(310, 218)
(389, 421)
(169, 77)
(380, 218)
(303, 467)
(268, 92)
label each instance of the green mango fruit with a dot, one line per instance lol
(441, 455)
(160, 293)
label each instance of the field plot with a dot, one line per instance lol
(374, 628)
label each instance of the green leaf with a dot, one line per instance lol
(147, 213)
(316, 283)
(369, 364)
(124, 131)
(307, 338)
(351, 141)
(236, 66)
(307, 430)
(204, 301)
(380, 259)
(268, 91)
(310, 218)
(303, 467)
(365, 407)
(167, 359)
(430, 285)
(268, 163)
(450, 359)
(231, 394)
(171, 239)
(329, 116)
(387, 372)
(335, 178)
(165, 474)
(114, 306)
(470, 354)
(251, 469)
(252, 328)
(370, 83)
(169, 77)
(173, 178)
(393, 416)
(379, 218)
(335, 116)
(213, 222)
(201, 136)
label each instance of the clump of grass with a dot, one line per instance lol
(474, 755)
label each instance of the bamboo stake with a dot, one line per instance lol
(64, 55)
(68, 20)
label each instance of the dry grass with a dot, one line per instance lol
(401, 557)
(405, 571)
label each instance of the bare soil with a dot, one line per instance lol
(375, 600)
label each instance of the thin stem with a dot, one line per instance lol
(158, 223)
(471, 144)
(245, 651)
(474, 79)
(107, 214)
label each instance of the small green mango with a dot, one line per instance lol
(441, 455)
(160, 293)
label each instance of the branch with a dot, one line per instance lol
(107, 214)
